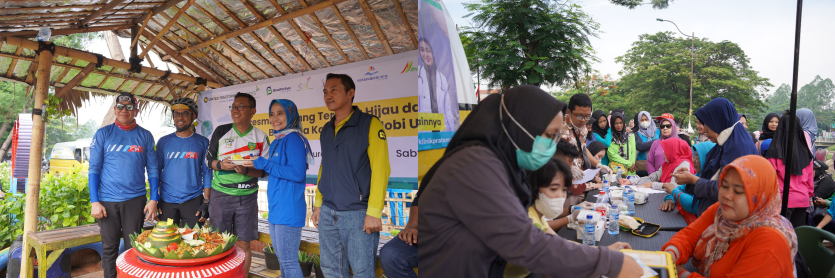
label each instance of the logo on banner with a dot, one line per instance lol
(205, 99)
(270, 90)
(409, 68)
(371, 71)
(305, 85)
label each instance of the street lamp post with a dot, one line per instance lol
(692, 39)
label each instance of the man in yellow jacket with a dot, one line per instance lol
(352, 183)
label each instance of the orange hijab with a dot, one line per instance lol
(764, 202)
(676, 151)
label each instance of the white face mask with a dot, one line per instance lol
(644, 124)
(550, 208)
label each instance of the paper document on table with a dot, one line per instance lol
(588, 176)
(649, 190)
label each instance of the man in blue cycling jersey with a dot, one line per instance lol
(185, 180)
(120, 154)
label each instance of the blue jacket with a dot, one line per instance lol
(121, 158)
(643, 144)
(287, 165)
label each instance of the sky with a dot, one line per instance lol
(763, 29)
(97, 108)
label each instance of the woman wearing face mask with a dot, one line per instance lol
(769, 127)
(743, 235)
(289, 157)
(621, 152)
(549, 185)
(655, 158)
(802, 178)
(721, 124)
(646, 135)
(474, 221)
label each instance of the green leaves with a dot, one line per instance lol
(528, 41)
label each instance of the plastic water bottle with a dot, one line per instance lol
(613, 221)
(44, 34)
(630, 205)
(588, 236)
(620, 173)
(602, 197)
(605, 185)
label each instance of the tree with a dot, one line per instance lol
(656, 75)
(602, 89)
(818, 96)
(631, 4)
(539, 42)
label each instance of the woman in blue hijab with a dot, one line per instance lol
(721, 122)
(809, 124)
(287, 163)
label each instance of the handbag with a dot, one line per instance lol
(641, 166)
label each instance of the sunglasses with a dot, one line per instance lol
(121, 107)
(666, 126)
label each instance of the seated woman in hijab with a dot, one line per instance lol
(473, 221)
(601, 132)
(802, 177)
(668, 128)
(743, 235)
(646, 135)
(677, 154)
(721, 124)
(622, 152)
(770, 124)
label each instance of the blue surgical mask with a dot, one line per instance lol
(543, 148)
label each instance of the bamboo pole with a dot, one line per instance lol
(64, 31)
(75, 80)
(77, 7)
(14, 63)
(301, 34)
(135, 34)
(324, 30)
(262, 24)
(101, 11)
(350, 32)
(405, 22)
(30, 223)
(159, 9)
(166, 27)
(89, 57)
(369, 12)
(186, 60)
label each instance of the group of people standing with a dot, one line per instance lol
(500, 218)
(184, 170)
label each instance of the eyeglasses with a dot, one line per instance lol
(666, 126)
(582, 117)
(181, 114)
(239, 107)
(121, 107)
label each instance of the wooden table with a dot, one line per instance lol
(56, 241)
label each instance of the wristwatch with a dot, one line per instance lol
(218, 164)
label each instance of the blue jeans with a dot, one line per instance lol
(342, 241)
(398, 259)
(286, 242)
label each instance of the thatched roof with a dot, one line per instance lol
(225, 42)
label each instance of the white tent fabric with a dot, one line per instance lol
(463, 77)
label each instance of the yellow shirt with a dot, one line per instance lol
(378, 157)
(515, 271)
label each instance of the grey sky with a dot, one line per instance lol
(763, 29)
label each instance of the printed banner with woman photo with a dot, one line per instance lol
(437, 95)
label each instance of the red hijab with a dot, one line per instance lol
(676, 151)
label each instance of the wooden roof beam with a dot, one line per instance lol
(324, 30)
(89, 57)
(14, 63)
(76, 80)
(98, 12)
(350, 32)
(64, 31)
(166, 27)
(184, 59)
(406, 22)
(243, 58)
(211, 49)
(241, 41)
(80, 7)
(159, 9)
(263, 24)
(65, 71)
(299, 31)
(376, 25)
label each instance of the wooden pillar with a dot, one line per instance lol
(33, 186)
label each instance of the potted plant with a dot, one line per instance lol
(306, 263)
(317, 266)
(271, 258)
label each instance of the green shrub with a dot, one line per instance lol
(12, 226)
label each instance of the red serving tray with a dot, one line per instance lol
(190, 262)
